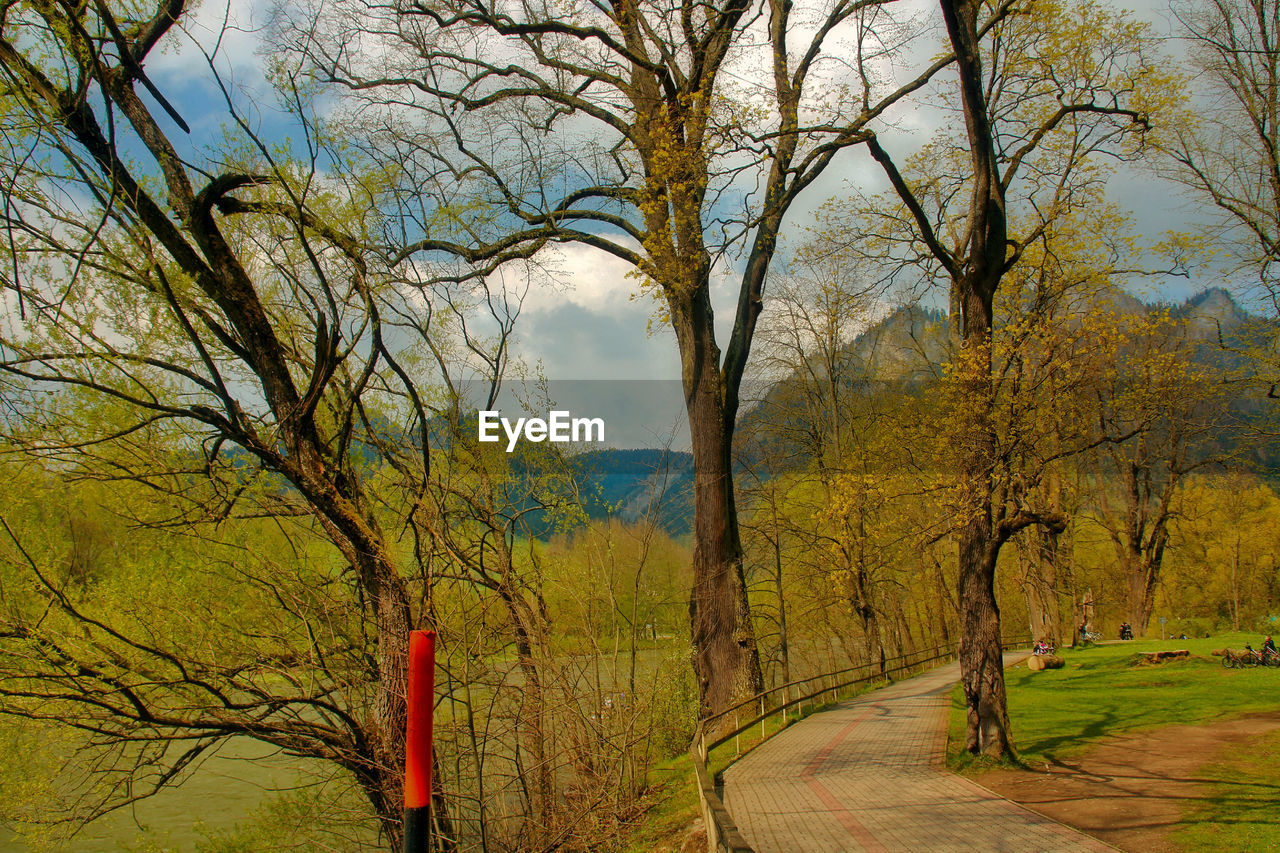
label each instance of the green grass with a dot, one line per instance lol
(1103, 691)
(672, 809)
(1106, 690)
(1242, 809)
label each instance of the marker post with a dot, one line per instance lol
(417, 753)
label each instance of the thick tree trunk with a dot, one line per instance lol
(390, 708)
(1041, 586)
(383, 729)
(1143, 575)
(981, 655)
(973, 288)
(726, 659)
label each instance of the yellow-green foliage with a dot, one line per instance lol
(1224, 552)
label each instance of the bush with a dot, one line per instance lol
(675, 705)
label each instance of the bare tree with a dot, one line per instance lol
(1227, 147)
(1031, 136)
(628, 127)
(222, 333)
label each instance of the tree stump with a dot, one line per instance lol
(1035, 663)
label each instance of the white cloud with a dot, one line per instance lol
(584, 276)
(228, 31)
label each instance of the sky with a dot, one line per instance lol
(597, 327)
(593, 323)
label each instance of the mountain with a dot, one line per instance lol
(909, 344)
(1212, 311)
(636, 484)
(906, 348)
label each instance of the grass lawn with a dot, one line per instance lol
(1242, 810)
(1104, 690)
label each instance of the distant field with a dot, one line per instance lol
(225, 790)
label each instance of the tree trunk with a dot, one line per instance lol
(973, 285)
(1235, 585)
(946, 602)
(784, 648)
(1142, 572)
(981, 655)
(537, 773)
(391, 708)
(381, 776)
(1040, 585)
(726, 659)
(860, 598)
(385, 785)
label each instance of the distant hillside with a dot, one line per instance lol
(636, 484)
(1211, 311)
(907, 347)
(909, 344)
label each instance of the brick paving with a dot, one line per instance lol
(868, 775)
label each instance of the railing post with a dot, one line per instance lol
(762, 719)
(737, 744)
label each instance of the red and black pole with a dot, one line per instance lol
(417, 753)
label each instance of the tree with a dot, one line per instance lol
(1222, 145)
(813, 425)
(1054, 341)
(1226, 144)
(134, 654)
(623, 127)
(223, 334)
(1222, 555)
(1173, 409)
(1031, 136)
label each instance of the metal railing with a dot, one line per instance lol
(722, 832)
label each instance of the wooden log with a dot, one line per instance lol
(1161, 657)
(1035, 663)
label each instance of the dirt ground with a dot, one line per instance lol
(1129, 791)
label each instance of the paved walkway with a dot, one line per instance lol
(868, 775)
